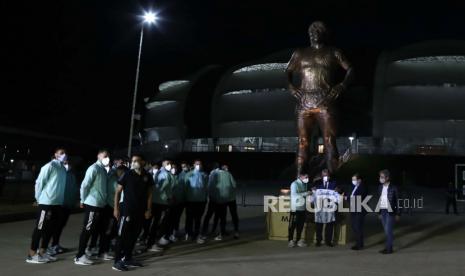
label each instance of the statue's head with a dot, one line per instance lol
(318, 33)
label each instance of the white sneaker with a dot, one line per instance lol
(291, 243)
(163, 241)
(219, 238)
(200, 240)
(173, 238)
(107, 256)
(91, 251)
(50, 258)
(83, 260)
(301, 243)
(36, 259)
(155, 248)
(51, 251)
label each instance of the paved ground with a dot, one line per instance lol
(426, 244)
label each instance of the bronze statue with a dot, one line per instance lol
(317, 67)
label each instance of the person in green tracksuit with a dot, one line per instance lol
(162, 200)
(177, 207)
(93, 200)
(69, 203)
(49, 195)
(228, 186)
(196, 198)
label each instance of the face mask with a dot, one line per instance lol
(354, 182)
(305, 180)
(62, 158)
(135, 165)
(154, 171)
(106, 161)
(66, 167)
(173, 171)
(168, 167)
(382, 180)
(325, 178)
(197, 167)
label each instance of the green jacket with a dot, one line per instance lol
(163, 189)
(112, 182)
(196, 186)
(50, 184)
(223, 187)
(94, 186)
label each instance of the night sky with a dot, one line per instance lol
(69, 66)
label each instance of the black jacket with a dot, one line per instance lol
(393, 198)
(362, 192)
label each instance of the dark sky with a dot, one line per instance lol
(69, 66)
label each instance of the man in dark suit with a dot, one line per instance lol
(389, 211)
(357, 213)
(328, 184)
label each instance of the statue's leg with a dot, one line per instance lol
(328, 129)
(305, 121)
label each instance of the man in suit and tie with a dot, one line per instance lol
(389, 210)
(327, 184)
(357, 213)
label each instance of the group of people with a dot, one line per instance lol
(388, 208)
(129, 203)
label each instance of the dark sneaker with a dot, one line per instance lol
(119, 266)
(132, 263)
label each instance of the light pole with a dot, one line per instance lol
(149, 18)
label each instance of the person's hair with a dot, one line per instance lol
(197, 160)
(103, 151)
(303, 174)
(386, 173)
(122, 168)
(140, 155)
(166, 161)
(325, 171)
(58, 149)
(215, 165)
(357, 175)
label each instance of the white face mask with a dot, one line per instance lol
(106, 161)
(382, 180)
(354, 182)
(325, 178)
(168, 167)
(305, 180)
(154, 171)
(173, 171)
(197, 167)
(66, 167)
(135, 165)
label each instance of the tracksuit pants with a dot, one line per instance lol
(161, 212)
(129, 227)
(62, 220)
(194, 213)
(46, 223)
(91, 223)
(296, 224)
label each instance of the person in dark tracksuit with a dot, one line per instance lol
(212, 205)
(93, 200)
(357, 213)
(389, 211)
(49, 195)
(133, 204)
(69, 202)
